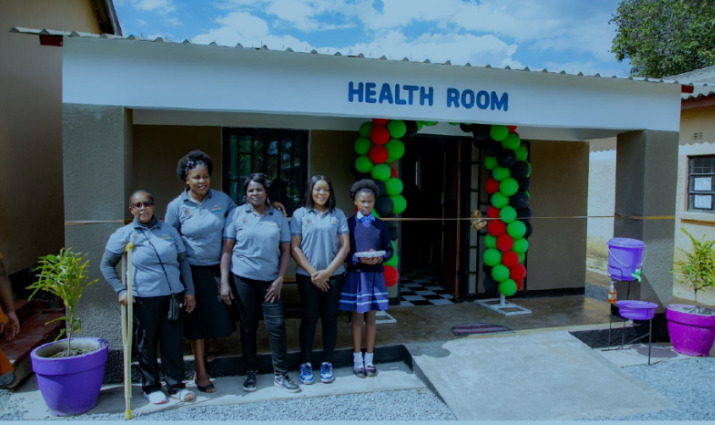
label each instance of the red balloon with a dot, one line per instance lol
(377, 154)
(493, 212)
(517, 273)
(509, 258)
(379, 135)
(393, 172)
(391, 276)
(512, 128)
(519, 285)
(492, 185)
(504, 242)
(380, 121)
(496, 228)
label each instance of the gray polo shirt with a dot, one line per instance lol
(319, 236)
(200, 225)
(256, 253)
(149, 277)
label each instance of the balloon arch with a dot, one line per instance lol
(381, 142)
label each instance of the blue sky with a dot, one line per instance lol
(570, 35)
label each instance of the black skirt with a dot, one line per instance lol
(211, 318)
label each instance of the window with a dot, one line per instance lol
(701, 176)
(280, 154)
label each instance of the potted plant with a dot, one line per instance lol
(692, 327)
(69, 371)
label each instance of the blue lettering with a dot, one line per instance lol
(501, 104)
(370, 92)
(386, 94)
(352, 91)
(483, 99)
(426, 95)
(410, 90)
(452, 97)
(398, 101)
(468, 99)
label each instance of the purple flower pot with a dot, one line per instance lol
(70, 385)
(691, 334)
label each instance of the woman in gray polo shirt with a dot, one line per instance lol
(159, 267)
(199, 214)
(320, 241)
(254, 259)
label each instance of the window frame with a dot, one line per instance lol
(700, 170)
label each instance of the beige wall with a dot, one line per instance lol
(697, 137)
(31, 201)
(331, 153)
(157, 150)
(601, 201)
(559, 188)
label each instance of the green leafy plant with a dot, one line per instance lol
(65, 276)
(698, 269)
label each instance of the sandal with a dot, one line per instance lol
(184, 395)
(206, 388)
(210, 356)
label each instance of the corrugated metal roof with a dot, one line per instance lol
(703, 79)
(668, 80)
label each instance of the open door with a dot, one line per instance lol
(451, 207)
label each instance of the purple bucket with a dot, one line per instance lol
(70, 385)
(625, 257)
(636, 310)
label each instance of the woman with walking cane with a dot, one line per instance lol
(161, 282)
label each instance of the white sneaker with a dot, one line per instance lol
(157, 397)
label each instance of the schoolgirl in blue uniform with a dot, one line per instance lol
(365, 290)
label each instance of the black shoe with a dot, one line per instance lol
(249, 384)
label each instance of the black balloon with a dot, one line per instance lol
(381, 190)
(479, 144)
(487, 269)
(384, 205)
(480, 131)
(529, 230)
(362, 176)
(519, 201)
(519, 170)
(393, 233)
(506, 158)
(490, 285)
(524, 184)
(491, 148)
(411, 128)
(467, 128)
(524, 214)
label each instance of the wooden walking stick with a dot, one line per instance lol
(127, 328)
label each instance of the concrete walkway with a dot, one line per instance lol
(525, 375)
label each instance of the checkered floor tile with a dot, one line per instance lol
(420, 288)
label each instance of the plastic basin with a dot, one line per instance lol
(636, 310)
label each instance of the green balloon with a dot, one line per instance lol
(399, 204)
(491, 162)
(499, 200)
(392, 261)
(508, 215)
(520, 245)
(500, 273)
(521, 153)
(500, 173)
(380, 172)
(454, 123)
(511, 141)
(362, 146)
(528, 195)
(429, 122)
(508, 186)
(498, 132)
(365, 128)
(492, 257)
(522, 257)
(363, 164)
(516, 229)
(490, 241)
(395, 149)
(529, 173)
(507, 288)
(419, 125)
(396, 128)
(393, 186)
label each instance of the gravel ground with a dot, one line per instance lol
(688, 383)
(406, 405)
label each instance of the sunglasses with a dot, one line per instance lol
(140, 205)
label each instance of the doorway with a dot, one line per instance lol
(433, 236)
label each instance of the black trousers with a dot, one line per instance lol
(250, 296)
(151, 326)
(318, 304)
